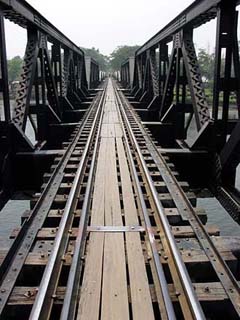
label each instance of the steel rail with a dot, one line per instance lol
(43, 301)
(195, 307)
(16, 256)
(71, 293)
(228, 281)
(169, 310)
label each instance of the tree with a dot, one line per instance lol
(101, 59)
(14, 68)
(120, 54)
(206, 63)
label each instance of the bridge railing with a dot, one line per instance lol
(167, 86)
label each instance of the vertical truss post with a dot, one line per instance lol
(52, 94)
(65, 73)
(26, 82)
(88, 71)
(78, 73)
(4, 72)
(131, 71)
(57, 67)
(229, 82)
(154, 74)
(145, 71)
(163, 66)
(223, 81)
(168, 91)
(153, 89)
(198, 97)
(139, 72)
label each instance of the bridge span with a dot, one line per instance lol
(114, 230)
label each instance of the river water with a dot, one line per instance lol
(10, 215)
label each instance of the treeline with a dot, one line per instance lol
(106, 63)
(114, 60)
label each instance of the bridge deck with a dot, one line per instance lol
(105, 276)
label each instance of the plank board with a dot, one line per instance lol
(91, 288)
(139, 288)
(114, 290)
(106, 252)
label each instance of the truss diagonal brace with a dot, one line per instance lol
(27, 78)
(199, 100)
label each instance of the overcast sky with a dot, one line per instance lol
(107, 24)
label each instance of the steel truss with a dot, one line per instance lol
(54, 90)
(167, 90)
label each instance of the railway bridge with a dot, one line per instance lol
(115, 174)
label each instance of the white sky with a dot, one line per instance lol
(106, 24)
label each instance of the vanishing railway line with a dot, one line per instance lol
(115, 233)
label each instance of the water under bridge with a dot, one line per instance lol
(114, 230)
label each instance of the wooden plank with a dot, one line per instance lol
(139, 288)
(104, 130)
(191, 256)
(112, 201)
(89, 303)
(206, 292)
(190, 249)
(114, 288)
(118, 130)
(178, 231)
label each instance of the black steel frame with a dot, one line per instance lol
(162, 84)
(54, 91)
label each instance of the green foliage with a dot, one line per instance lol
(14, 68)
(95, 54)
(120, 54)
(206, 63)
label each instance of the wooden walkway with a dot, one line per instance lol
(105, 277)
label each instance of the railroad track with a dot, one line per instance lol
(71, 168)
(115, 233)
